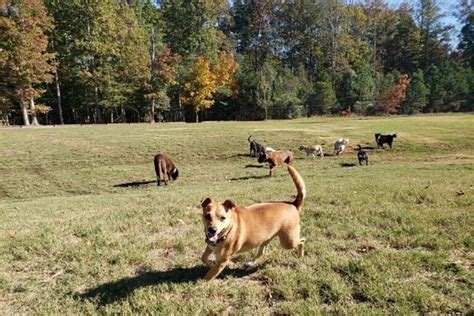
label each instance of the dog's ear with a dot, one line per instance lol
(228, 205)
(206, 202)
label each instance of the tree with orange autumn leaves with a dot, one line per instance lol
(24, 61)
(394, 96)
(204, 79)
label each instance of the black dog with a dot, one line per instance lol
(384, 139)
(255, 148)
(362, 156)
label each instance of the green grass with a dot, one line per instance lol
(393, 237)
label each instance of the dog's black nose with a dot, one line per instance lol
(212, 230)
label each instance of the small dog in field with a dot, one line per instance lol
(313, 150)
(384, 139)
(164, 166)
(362, 156)
(276, 158)
(255, 148)
(340, 146)
(231, 229)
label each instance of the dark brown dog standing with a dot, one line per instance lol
(231, 229)
(276, 158)
(164, 166)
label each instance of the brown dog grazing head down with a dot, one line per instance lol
(276, 158)
(164, 166)
(230, 229)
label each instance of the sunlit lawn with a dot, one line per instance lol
(94, 234)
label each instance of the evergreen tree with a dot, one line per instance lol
(417, 93)
(403, 49)
(456, 85)
(466, 44)
(434, 34)
(435, 82)
(323, 99)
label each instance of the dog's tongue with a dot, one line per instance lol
(212, 238)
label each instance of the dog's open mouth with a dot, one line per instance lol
(211, 238)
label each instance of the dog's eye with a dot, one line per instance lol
(222, 218)
(208, 217)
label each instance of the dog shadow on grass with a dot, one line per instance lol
(133, 184)
(111, 292)
(347, 164)
(241, 155)
(254, 166)
(249, 177)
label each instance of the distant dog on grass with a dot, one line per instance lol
(255, 148)
(313, 150)
(340, 146)
(384, 139)
(276, 158)
(231, 228)
(362, 156)
(164, 166)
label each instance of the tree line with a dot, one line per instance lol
(90, 61)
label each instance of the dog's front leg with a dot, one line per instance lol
(261, 251)
(205, 257)
(217, 268)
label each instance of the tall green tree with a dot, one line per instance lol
(264, 92)
(299, 27)
(403, 48)
(190, 27)
(323, 99)
(111, 55)
(417, 93)
(434, 35)
(466, 43)
(436, 84)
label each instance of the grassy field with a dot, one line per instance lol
(94, 234)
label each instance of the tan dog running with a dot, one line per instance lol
(276, 158)
(231, 229)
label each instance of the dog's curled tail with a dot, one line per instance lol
(300, 187)
(249, 138)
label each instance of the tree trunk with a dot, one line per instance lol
(123, 115)
(152, 66)
(6, 119)
(34, 119)
(180, 109)
(197, 117)
(152, 114)
(58, 96)
(97, 114)
(24, 111)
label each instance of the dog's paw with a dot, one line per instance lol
(249, 264)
